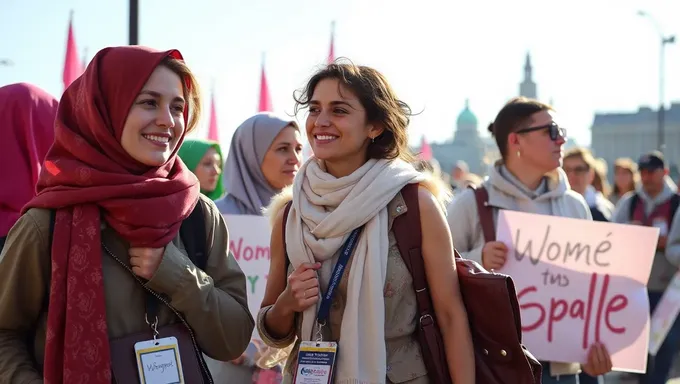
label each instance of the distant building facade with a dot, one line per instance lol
(466, 145)
(615, 135)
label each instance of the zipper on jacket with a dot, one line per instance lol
(197, 350)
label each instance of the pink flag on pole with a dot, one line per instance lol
(213, 131)
(331, 50)
(265, 98)
(73, 68)
(425, 150)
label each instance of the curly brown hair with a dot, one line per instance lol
(377, 98)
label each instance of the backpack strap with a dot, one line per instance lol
(407, 231)
(286, 211)
(633, 204)
(485, 212)
(195, 237)
(675, 203)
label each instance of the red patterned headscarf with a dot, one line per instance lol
(87, 177)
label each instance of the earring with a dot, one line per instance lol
(373, 140)
(519, 154)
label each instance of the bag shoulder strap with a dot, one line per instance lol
(408, 233)
(633, 204)
(485, 212)
(675, 203)
(286, 211)
(195, 237)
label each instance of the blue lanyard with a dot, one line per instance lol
(338, 271)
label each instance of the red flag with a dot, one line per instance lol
(425, 150)
(72, 66)
(212, 128)
(331, 51)
(265, 97)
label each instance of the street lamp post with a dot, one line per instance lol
(665, 40)
(134, 22)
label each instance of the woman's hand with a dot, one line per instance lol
(302, 290)
(599, 361)
(145, 261)
(494, 255)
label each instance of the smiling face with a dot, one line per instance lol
(337, 127)
(155, 123)
(283, 158)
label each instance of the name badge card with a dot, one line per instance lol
(316, 360)
(158, 361)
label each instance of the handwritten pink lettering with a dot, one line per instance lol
(247, 252)
(596, 308)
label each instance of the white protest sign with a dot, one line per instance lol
(249, 238)
(664, 315)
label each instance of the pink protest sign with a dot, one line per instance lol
(580, 282)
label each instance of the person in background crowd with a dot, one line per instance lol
(600, 182)
(26, 133)
(579, 165)
(265, 155)
(471, 179)
(654, 203)
(458, 174)
(357, 129)
(528, 178)
(101, 237)
(626, 178)
(204, 159)
(433, 167)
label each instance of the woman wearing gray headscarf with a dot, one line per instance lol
(265, 154)
(264, 157)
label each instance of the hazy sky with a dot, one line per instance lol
(599, 57)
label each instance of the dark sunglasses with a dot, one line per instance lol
(555, 130)
(578, 170)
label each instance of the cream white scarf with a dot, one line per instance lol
(325, 210)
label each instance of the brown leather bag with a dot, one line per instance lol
(492, 308)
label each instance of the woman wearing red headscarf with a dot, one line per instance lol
(26, 133)
(119, 195)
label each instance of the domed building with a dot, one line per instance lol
(466, 145)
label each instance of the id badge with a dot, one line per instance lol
(158, 361)
(316, 360)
